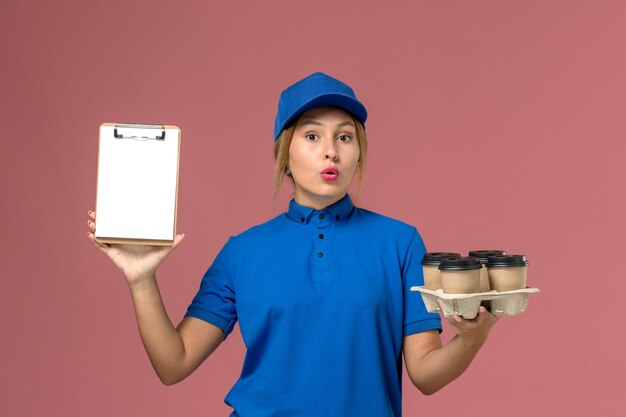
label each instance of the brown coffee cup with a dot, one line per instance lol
(460, 275)
(482, 256)
(430, 266)
(507, 272)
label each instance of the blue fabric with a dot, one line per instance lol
(316, 90)
(323, 302)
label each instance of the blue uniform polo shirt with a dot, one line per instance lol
(323, 302)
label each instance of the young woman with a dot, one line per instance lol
(321, 292)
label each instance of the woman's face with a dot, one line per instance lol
(323, 156)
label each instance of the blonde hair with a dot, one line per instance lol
(281, 157)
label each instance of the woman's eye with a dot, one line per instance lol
(311, 136)
(344, 138)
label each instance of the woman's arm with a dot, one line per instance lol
(432, 366)
(174, 352)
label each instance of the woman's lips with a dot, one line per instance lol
(330, 173)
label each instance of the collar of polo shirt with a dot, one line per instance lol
(301, 214)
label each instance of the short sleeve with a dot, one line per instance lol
(416, 318)
(215, 302)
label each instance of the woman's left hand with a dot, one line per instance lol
(473, 331)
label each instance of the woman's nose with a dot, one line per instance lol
(331, 151)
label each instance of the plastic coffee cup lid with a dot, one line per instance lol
(462, 263)
(504, 261)
(482, 255)
(434, 258)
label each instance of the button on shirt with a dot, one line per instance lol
(323, 302)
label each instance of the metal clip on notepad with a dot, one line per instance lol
(139, 131)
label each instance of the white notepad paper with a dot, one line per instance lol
(137, 184)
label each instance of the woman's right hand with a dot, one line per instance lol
(136, 262)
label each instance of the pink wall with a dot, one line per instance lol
(493, 124)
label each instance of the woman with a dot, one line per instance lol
(321, 292)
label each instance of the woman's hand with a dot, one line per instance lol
(136, 262)
(476, 330)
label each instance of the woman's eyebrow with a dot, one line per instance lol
(346, 123)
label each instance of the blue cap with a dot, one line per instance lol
(316, 90)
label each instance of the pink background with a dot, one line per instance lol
(493, 124)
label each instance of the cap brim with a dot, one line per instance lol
(341, 101)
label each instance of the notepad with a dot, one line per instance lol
(137, 185)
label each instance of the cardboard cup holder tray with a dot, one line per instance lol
(466, 305)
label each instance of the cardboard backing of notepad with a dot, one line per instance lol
(466, 305)
(137, 185)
